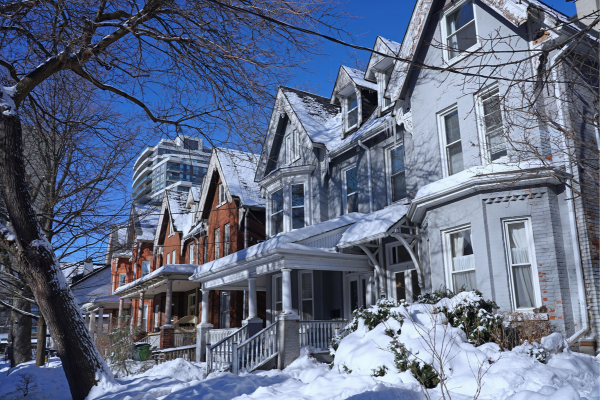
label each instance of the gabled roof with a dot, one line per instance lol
(385, 46)
(350, 76)
(513, 11)
(174, 208)
(236, 170)
(193, 195)
(145, 221)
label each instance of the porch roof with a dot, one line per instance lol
(286, 241)
(373, 226)
(108, 301)
(169, 271)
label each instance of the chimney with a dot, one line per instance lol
(88, 266)
(587, 12)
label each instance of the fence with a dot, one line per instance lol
(318, 334)
(184, 339)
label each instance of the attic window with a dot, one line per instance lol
(292, 147)
(385, 79)
(461, 32)
(352, 113)
(222, 197)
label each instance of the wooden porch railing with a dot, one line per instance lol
(184, 339)
(220, 355)
(318, 334)
(216, 335)
(255, 351)
(186, 352)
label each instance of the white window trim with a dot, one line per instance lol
(156, 315)
(382, 87)
(193, 305)
(145, 317)
(345, 100)
(345, 186)
(388, 169)
(300, 298)
(482, 130)
(533, 261)
(270, 211)
(226, 243)
(222, 196)
(217, 246)
(442, 137)
(348, 278)
(292, 147)
(142, 267)
(274, 295)
(168, 258)
(291, 222)
(124, 275)
(445, 53)
(193, 253)
(448, 254)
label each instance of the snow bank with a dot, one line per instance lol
(47, 382)
(179, 369)
(502, 374)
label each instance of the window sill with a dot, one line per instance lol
(461, 56)
(529, 312)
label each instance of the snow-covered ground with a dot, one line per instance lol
(513, 375)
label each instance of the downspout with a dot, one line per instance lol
(366, 149)
(572, 215)
(246, 227)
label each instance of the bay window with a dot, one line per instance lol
(461, 260)
(519, 243)
(461, 32)
(397, 173)
(350, 189)
(277, 212)
(298, 220)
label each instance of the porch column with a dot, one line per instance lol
(253, 322)
(121, 306)
(286, 293)
(141, 310)
(92, 327)
(288, 324)
(203, 327)
(167, 331)
(101, 319)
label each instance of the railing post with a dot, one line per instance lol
(234, 358)
(208, 359)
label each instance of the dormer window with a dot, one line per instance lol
(383, 83)
(352, 113)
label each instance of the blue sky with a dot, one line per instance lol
(387, 18)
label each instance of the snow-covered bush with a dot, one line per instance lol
(373, 316)
(468, 311)
(405, 361)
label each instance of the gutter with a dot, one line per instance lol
(572, 215)
(367, 150)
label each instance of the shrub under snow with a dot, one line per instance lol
(424, 344)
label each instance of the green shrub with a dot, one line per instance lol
(376, 315)
(378, 372)
(405, 361)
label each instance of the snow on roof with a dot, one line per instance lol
(358, 77)
(321, 120)
(393, 46)
(169, 269)
(195, 192)
(145, 221)
(373, 226)
(285, 240)
(239, 168)
(181, 216)
(473, 174)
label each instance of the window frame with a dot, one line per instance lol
(347, 110)
(443, 141)
(345, 193)
(191, 304)
(221, 312)
(533, 262)
(444, 31)
(217, 236)
(156, 315)
(168, 260)
(486, 156)
(292, 147)
(271, 213)
(124, 280)
(382, 86)
(173, 257)
(447, 249)
(149, 264)
(192, 253)
(292, 207)
(222, 195)
(301, 299)
(226, 239)
(388, 170)
(362, 292)
(145, 317)
(274, 312)
(205, 249)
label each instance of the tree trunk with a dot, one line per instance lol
(81, 361)
(22, 333)
(40, 357)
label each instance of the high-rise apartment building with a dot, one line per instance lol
(172, 164)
